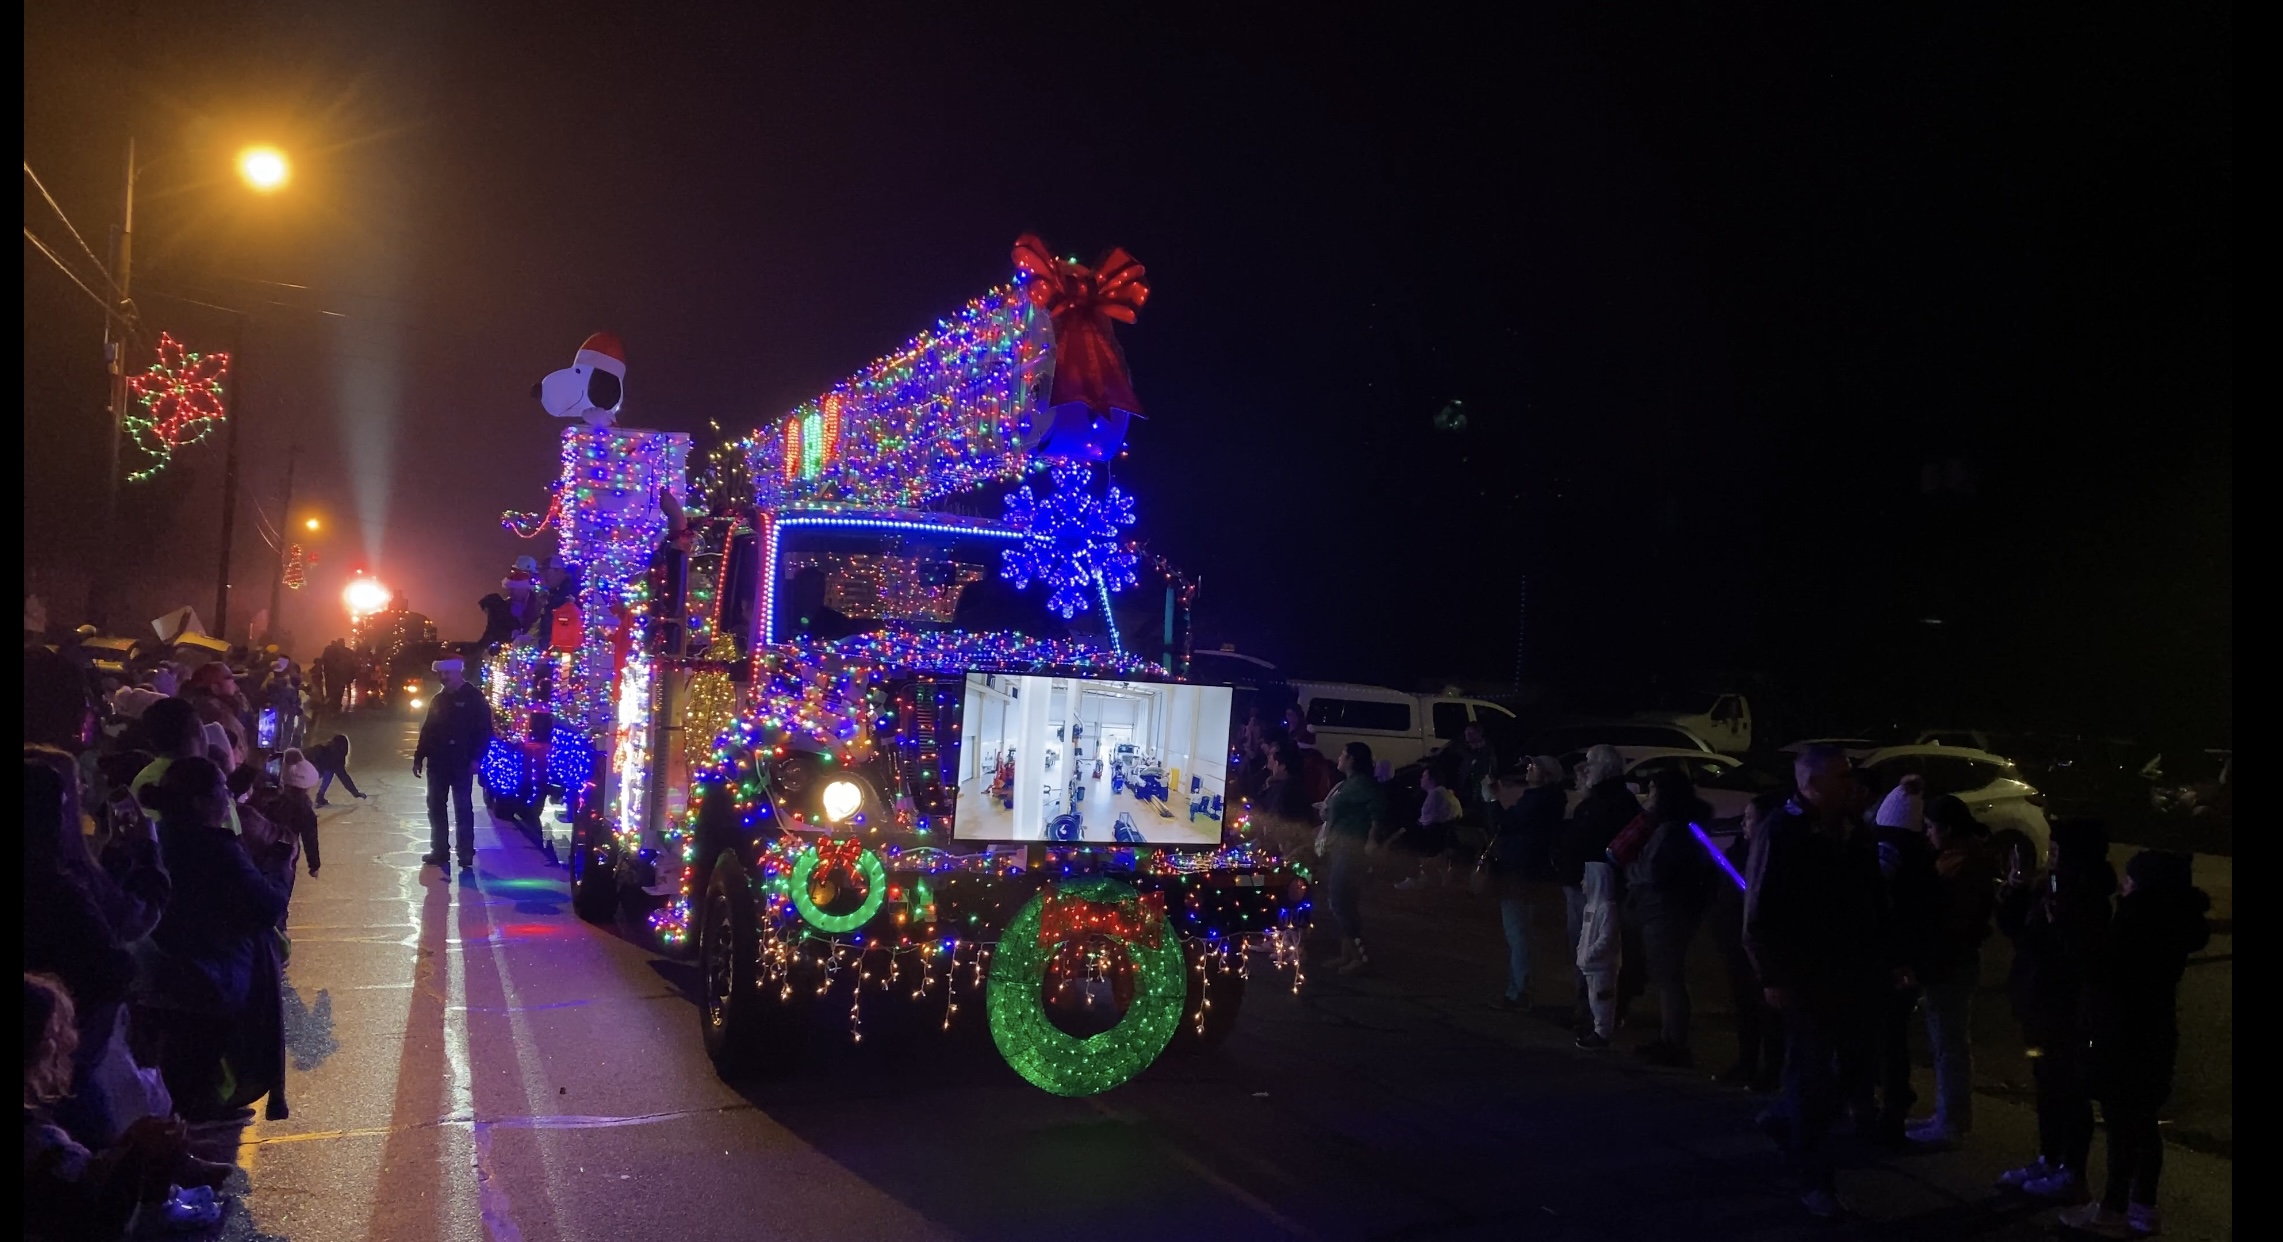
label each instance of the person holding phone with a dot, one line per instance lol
(2058, 923)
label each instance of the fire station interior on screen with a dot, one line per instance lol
(1081, 759)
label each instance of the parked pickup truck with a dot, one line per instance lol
(1400, 727)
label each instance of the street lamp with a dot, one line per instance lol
(311, 524)
(264, 168)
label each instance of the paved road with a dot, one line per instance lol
(472, 1061)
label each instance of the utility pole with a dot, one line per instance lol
(284, 524)
(118, 338)
(1521, 631)
(237, 416)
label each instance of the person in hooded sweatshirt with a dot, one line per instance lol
(1607, 808)
(1914, 898)
(2059, 924)
(2133, 990)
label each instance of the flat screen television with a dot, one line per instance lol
(1096, 760)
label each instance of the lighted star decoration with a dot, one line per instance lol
(1071, 540)
(181, 400)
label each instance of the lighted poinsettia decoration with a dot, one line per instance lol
(181, 400)
(1071, 540)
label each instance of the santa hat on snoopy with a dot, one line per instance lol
(593, 387)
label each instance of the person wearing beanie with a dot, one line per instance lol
(2058, 923)
(2133, 1015)
(290, 807)
(1954, 964)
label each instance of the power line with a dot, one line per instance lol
(89, 251)
(97, 298)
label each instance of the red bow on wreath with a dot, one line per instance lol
(1137, 921)
(842, 856)
(1088, 365)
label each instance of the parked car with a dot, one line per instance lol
(1990, 785)
(1725, 725)
(1855, 747)
(1727, 783)
(1575, 739)
(1401, 728)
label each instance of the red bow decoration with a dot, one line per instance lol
(1088, 365)
(841, 856)
(1137, 921)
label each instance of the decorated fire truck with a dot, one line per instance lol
(907, 733)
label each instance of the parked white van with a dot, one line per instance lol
(1401, 728)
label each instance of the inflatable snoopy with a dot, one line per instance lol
(593, 387)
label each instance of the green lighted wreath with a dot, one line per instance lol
(854, 860)
(1049, 1057)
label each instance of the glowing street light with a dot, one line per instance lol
(264, 168)
(365, 596)
(311, 524)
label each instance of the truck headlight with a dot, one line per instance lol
(841, 800)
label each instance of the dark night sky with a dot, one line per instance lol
(1717, 287)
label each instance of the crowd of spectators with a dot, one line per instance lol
(1840, 917)
(170, 806)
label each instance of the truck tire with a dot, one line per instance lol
(594, 871)
(744, 1029)
(1226, 989)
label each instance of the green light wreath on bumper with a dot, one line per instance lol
(1053, 1059)
(875, 893)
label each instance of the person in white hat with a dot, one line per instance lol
(452, 742)
(290, 807)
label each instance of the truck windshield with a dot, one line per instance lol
(834, 581)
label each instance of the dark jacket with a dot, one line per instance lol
(1607, 808)
(2133, 993)
(221, 903)
(1284, 800)
(1673, 875)
(1527, 833)
(1462, 769)
(2054, 942)
(1814, 908)
(1724, 907)
(457, 730)
(67, 935)
(1914, 895)
(1969, 903)
(332, 758)
(296, 817)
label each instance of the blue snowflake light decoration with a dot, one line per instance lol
(1070, 538)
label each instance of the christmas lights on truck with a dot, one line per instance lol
(894, 716)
